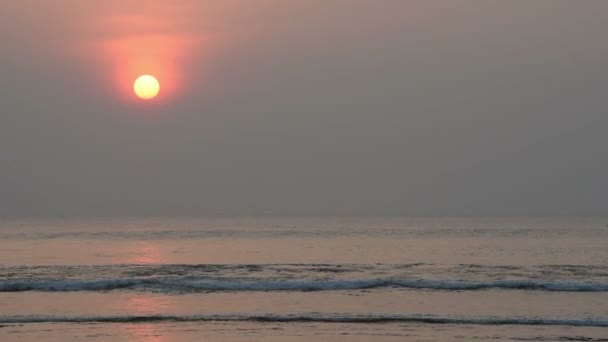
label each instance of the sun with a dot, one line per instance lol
(146, 87)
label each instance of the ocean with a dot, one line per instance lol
(304, 279)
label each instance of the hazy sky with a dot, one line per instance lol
(304, 107)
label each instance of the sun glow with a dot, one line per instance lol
(160, 56)
(146, 87)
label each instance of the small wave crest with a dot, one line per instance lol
(332, 318)
(187, 284)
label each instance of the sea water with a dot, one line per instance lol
(304, 279)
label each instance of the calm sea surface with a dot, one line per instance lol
(304, 279)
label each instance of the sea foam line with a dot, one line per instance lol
(188, 284)
(332, 318)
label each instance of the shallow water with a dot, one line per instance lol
(304, 279)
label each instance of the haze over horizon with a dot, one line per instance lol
(345, 107)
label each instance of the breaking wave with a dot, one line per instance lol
(332, 318)
(188, 284)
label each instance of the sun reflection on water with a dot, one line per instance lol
(147, 253)
(146, 305)
(145, 332)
